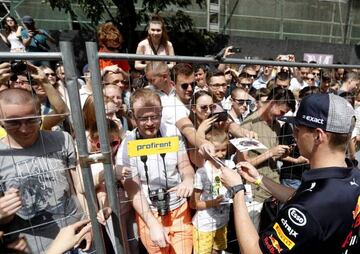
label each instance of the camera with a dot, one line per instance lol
(161, 199)
(221, 116)
(18, 67)
(235, 50)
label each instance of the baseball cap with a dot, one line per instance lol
(85, 69)
(329, 112)
(28, 20)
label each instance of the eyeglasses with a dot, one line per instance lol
(185, 86)
(15, 124)
(242, 101)
(210, 107)
(218, 86)
(144, 119)
(50, 74)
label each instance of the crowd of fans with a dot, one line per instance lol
(179, 202)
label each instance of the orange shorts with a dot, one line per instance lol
(178, 224)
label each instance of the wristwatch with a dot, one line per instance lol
(235, 189)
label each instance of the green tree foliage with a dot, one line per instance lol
(186, 40)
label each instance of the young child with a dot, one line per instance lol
(211, 200)
(130, 243)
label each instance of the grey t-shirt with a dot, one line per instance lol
(42, 174)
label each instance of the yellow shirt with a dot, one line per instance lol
(2, 132)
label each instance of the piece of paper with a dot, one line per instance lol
(247, 144)
(217, 162)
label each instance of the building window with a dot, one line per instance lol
(214, 18)
(213, 15)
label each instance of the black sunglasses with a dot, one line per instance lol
(251, 76)
(186, 85)
(241, 101)
(245, 85)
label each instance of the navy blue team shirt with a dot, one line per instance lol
(323, 216)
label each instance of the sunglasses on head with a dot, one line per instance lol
(186, 85)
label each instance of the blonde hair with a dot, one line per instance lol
(217, 135)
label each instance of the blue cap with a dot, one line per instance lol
(28, 20)
(329, 112)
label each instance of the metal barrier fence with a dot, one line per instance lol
(66, 54)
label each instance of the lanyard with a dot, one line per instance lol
(144, 158)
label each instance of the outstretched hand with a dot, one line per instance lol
(10, 203)
(230, 177)
(69, 237)
(248, 171)
(184, 189)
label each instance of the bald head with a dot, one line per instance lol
(18, 96)
(157, 68)
(239, 92)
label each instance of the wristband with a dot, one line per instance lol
(259, 180)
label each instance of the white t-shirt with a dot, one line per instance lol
(173, 109)
(84, 94)
(15, 44)
(208, 180)
(155, 164)
(296, 86)
(356, 130)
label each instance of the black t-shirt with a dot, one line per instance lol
(320, 215)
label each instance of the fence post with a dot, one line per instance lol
(110, 181)
(72, 86)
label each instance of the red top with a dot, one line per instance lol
(123, 64)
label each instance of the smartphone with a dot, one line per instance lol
(221, 116)
(292, 146)
(235, 50)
